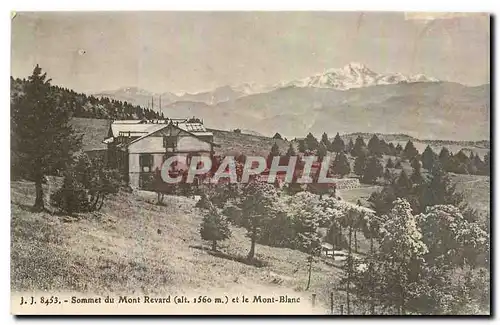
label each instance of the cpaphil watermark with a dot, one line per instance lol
(302, 170)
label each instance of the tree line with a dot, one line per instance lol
(87, 106)
(44, 143)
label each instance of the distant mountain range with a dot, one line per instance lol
(345, 100)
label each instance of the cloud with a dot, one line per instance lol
(428, 16)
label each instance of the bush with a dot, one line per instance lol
(72, 196)
(86, 184)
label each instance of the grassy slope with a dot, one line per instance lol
(476, 190)
(250, 145)
(118, 250)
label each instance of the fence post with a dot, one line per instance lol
(313, 300)
(331, 303)
(341, 309)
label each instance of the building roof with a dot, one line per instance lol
(144, 128)
(177, 126)
(135, 129)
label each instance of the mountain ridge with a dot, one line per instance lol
(352, 75)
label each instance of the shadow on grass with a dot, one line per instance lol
(237, 258)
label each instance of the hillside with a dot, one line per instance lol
(119, 250)
(232, 143)
(88, 106)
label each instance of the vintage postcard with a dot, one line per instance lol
(253, 163)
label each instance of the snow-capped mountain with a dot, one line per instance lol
(355, 75)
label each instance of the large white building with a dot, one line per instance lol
(138, 148)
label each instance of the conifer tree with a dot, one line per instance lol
(275, 152)
(326, 141)
(373, 170)
(277, 136)
(428, 158)
(416, 177)
(444, 158)
(322, 151)
(291, 151)
(359, 164)
(389, 163)
(403, 184)
(487, 163)
(302, 146)
(338, 144)
(410, 151)
(359, 146)
(42, 135)
(374, 146)
(311, 142)
(341, 165)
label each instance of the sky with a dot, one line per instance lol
(198, 51)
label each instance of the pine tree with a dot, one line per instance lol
(338, 144)
(403, 185)
(325, 140)
(373, 170)
(487, 163)
(322, 151)
(398, 165)
(359, 147)
(388, 176)
(275, 152)
(478, 164)
(428, 158)
(311, 142)
(440, 190)
(389, 163)
(341, 165)
(42, 136)
(277, 136)
(215, 226)
(291, 151)
(410, 151)
(374, 146)
(384, 147)
(416, 177)
(302, 146)
(444, 158)
(359, 164)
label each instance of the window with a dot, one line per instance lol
(146, 162)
